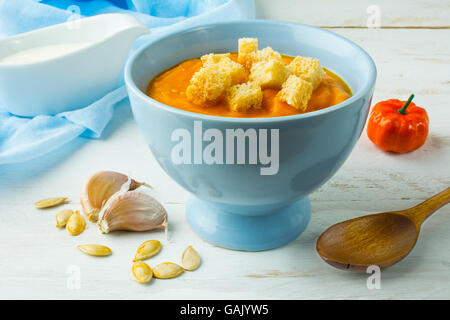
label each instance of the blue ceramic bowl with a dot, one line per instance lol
(241, 206)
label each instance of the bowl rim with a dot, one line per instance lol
(131, 85)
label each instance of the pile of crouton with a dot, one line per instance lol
(241, 83)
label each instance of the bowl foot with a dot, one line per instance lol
(221, 225)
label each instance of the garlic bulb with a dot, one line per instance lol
(99, 188)
(133, 211)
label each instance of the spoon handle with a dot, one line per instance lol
(423, 210)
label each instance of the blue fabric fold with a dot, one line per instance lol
(23, 139)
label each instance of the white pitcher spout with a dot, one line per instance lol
(120, 25)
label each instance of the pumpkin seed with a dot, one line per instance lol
(167, 270)
(49, 202)
(142, 272)
(190, 260)
(147, 249)
(76, 224)
(95, 249)
(62, 217)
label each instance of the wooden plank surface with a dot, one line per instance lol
(350, 13)
(38, 261)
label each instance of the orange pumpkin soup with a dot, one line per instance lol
(169, 88)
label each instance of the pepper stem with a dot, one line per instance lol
(403, 109)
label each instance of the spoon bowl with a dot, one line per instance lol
(378, 239)
(339, 243)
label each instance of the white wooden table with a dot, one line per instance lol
(412, 53)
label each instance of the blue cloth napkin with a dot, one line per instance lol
(21, 138)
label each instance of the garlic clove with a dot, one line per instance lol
(100, 187)
(133, 211)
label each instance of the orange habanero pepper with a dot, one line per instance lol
(393, 128)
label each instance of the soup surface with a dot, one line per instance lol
(169, 88)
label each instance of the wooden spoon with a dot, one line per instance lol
(381, 239)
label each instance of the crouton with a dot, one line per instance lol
(208, 85)
(241, 97)
(248, 45)
(247, 51)
(214, 57)
(224, 63)
(296, 92)
(308, 69)
(269, 74)
(236, 70)
(267, 54)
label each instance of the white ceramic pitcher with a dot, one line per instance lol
(65, 66)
